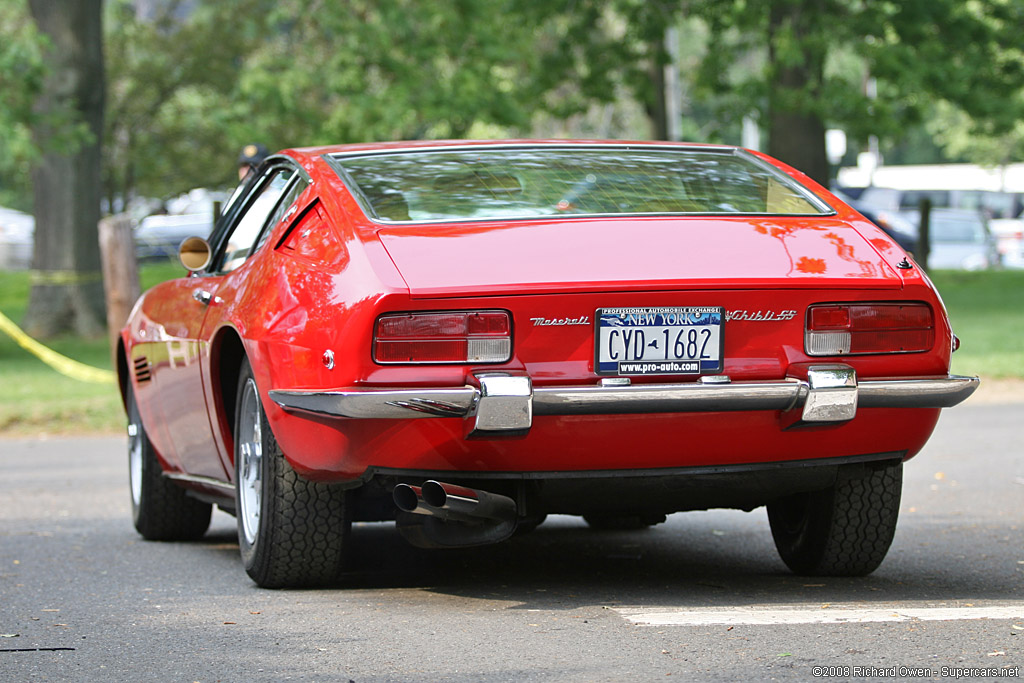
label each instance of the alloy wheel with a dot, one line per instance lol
(250, 465)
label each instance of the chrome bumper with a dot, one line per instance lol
(502, 404)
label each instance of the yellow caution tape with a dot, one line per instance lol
(62, 364)
(63, 277)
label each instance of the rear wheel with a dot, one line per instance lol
(161, 510)
(844, 530)
(291, 532)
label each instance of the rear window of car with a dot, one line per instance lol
(527, 182)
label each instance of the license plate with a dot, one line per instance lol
(685, 340)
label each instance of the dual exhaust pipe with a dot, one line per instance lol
(453, 503)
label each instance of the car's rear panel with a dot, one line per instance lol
(763, 340)
(552, 276)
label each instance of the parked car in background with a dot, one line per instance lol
(160, 235)
(16, 239)
(464, 337)
(960, 240)
(1009, 235)
(156, 236)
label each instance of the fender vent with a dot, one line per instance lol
(142, 373)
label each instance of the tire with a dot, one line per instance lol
(622, 522)
(844, 530)
(291, 532)
(161, 510)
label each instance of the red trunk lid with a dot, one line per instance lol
(639, 254)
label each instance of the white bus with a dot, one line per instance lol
(998, 192)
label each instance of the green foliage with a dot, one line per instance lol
(808, 57)
(918, 50)
(170, 78)
(190, 82)
(22, 71)
(386, 70)
(23, 123)
(187, 85)
(961, 136)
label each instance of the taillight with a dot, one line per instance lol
(842, 329)
(449, 337)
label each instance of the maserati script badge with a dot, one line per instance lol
(542, 322)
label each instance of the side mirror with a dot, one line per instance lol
(194, 253)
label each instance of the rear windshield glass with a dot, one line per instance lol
(498, 183)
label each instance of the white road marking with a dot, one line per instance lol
(812, 614)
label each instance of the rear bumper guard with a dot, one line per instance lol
(502, 404)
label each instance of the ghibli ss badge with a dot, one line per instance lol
(542, 322)
(760, 316)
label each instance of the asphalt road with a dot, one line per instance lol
(702, 597)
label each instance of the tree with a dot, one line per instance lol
(961, 136)
(596, 49)
(67, 292)
(802, 65)
(191, 82)
(822, 52)
(172, 69)
(797, 50)
(387, 70)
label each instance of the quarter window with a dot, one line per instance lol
(285, 209)
(242, 240)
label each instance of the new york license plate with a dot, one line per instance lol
(682, 340)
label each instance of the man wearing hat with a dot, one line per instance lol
(251, 156)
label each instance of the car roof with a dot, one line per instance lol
(447, 144)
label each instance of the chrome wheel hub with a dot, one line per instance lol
(250, 462)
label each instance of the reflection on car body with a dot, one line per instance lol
(436, 334)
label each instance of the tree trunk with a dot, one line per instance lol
(796, 132)
(656, 107)
(67, 287)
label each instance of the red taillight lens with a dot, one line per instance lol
(841, 329)
(450, 337)
(829, 318)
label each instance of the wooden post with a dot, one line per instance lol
(120, 272)
(924, 236)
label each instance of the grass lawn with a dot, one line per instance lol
(986, 309)
(37, 399)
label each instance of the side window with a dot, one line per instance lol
(285, 209)
(242, 239)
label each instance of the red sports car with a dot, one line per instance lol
(464, 337)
